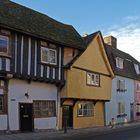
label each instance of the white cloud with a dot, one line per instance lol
(128, 36)
(131, 18)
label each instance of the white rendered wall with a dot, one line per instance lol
(36, 91)
(3, 122)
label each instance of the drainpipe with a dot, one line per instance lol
(57, 114)
(8, 77)
(104, 114)
(8, 127)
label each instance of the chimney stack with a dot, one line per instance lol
(111, 40)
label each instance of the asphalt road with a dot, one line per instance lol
(122, 134)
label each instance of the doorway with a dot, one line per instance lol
(67, 116)
(26, 117)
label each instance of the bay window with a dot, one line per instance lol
(4, 44)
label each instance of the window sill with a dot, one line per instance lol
(3, 113)
(93, 85)
(48, 64)
(5, 55)
(121, 115)
(85, 116)
(121, 90)
(37, 117)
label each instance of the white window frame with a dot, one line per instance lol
(136, 66)
(120, 84)
(7, 38)
(93, 79)
(137, 87)
(85, 112)
(119, 62)
(49, 57)
(121, 108)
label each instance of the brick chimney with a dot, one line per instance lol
(111, 40)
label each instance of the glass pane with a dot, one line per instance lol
(93, 79)
(51, 108)
(3, 44)
(37, 106)
(80, 112)
(44, 54)
(52, 53)
(97, 79)
(38, 113)
(85, 112)
(52, 56)
(44, 105)
(44, 113)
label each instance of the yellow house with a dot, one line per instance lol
(88, 85)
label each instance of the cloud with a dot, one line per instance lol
(131, 18)
(128, 36)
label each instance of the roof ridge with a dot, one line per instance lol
(37, 12)
(15, 16)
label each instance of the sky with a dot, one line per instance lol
(119, 18)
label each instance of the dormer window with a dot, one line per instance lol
(137, 69)
(48, 56)
(119, 62)
(4, 44)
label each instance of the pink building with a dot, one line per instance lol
(137, 99)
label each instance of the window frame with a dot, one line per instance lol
(137, 85)
(137, 69)
(119, 63)
(138, 108)
(8, 43)
(93, 80)
(121, 108)
(121, 85)
(89, 111)
(50, 111)
(49, 57)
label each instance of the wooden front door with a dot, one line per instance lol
(26, 117)
(67, 116)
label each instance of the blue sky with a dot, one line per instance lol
(120, 18)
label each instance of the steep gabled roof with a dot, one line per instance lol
(128, 68)
(90, 37)
(23, 19)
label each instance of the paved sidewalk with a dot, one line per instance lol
(70, 133)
